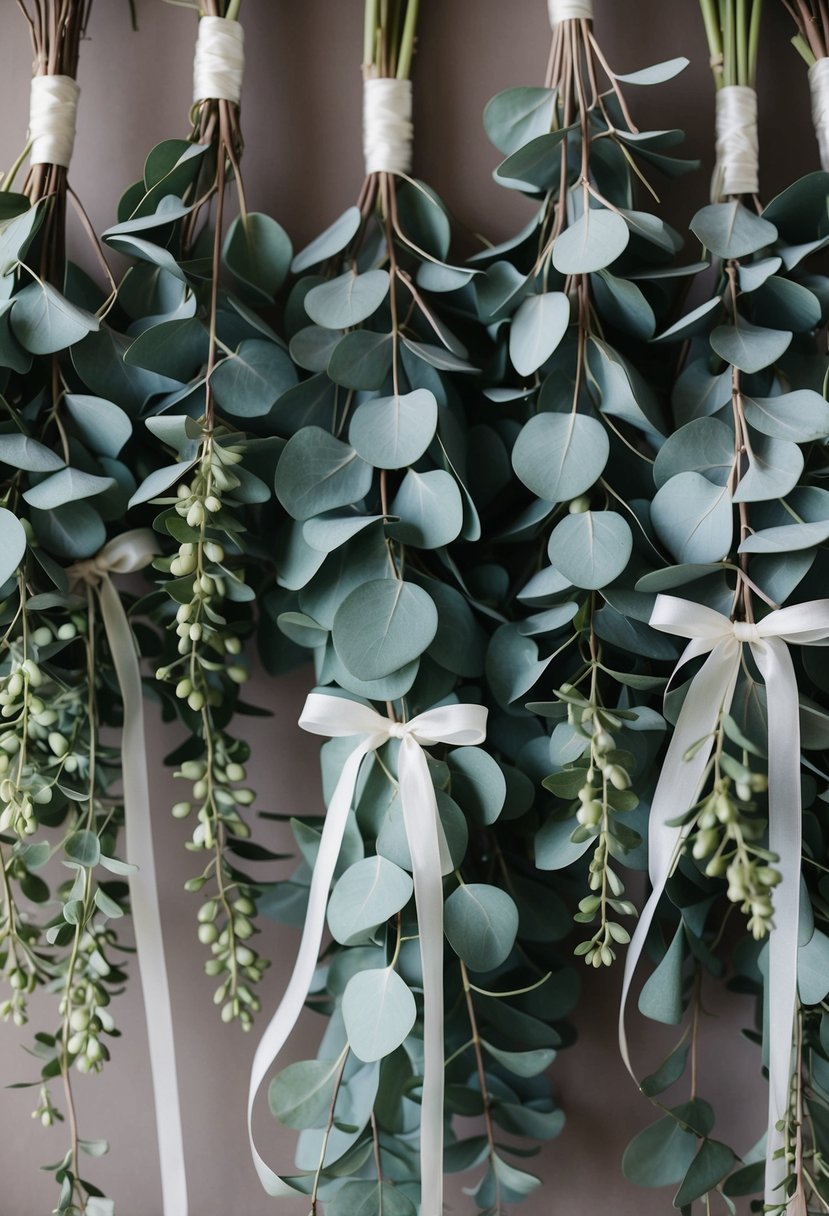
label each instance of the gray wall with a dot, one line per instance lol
(301, 112)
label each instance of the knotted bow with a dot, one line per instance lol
(710, 693)
(123, 555)
(459, 725)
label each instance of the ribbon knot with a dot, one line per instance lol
(339, 717)
(709, 695)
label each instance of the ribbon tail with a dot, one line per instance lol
(149, 939)
(299, 985)
(775, 664)
(677, 790)
(420, 815)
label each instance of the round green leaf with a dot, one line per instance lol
(660, 1155)
(74, 530)
(317, 472)
(44, 321)
(430, 509)
(749, 347)
(21, 452)
(774, 468)
(731, 230)
(83, 847)
(367, 895)
(559, 456)
(12, 544)
(693, 518)
(515, 116)
(595, 240)
(481, 923)
(69, 485)
(382, 625)
(329, 242)
(379, 1011)
(591, 548)
(537, 329)
(347, 300)
(478, 784)
(300, 1095)
(369, 1199)
(361, 360)
(393, 432)
(802, 416)
(248, 383)
(704, 446)
(102, 425)
(257, 251)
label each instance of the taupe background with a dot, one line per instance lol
(301, 114)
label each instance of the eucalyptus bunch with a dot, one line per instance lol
(381, 574)
(740, 513)
(202, 369)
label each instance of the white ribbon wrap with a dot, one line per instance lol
(338, 717)
(569, 10)
(53, 108)
(709, 694)
(123, 555)
(387, 125)
(737, 165)
(219, 62)
(819, 87)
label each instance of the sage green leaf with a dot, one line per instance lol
(559, 456)
(75, 530)
(300, 1095)
(393, 432)
(661, 995)
(786, 538)
(668, 1072)
(249, 383)
(436, 356)
(146, 251)
(783, 303)
(645, 224)
(302, 629)
(460, 642)
(692, 323)
(347, 300)
(99, 361)
(44, 322)
(382, 625)
(15, 233)
(515, 116)
(379, 1011)
(693, 518)
(512, 664)
(813, 969)
(660, 1155)
(698, 393)
(754, 274)
(423, 218)
(774, 470)
(533, 167)
(658, 73)
(522, 1063)
(478, 784)
(103, 426)
(430, 509)
(317, 472)
(591, 548)
(731, 230)
(624, 304)
(393, 842)
(366, 896)
(369, 1199)
(21, 452)
(594, 241)
(69, 485)
(83, 847)
(178, 431)
(159, 481)
(711, 1164)
(328, 531)
(749, 347)
(624, 393)
(313, 346)
(704, 446)
(331, 241)
(361, 360)
(175, 349)
(258, 251)
(481, 924)
(537, 329)
(12, 544)
(802, 415)
(554, 850)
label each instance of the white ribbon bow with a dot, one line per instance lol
(710, 693)
(123, 555)
(461, 726)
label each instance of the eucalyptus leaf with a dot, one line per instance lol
(594, 241)
(361, 360)
(257, 250)
(301, 1095)
(379, 1011)
(515, 116)
(749, 347)
(591, 548)
(774, 469)
(12, 544)
(347, 300)
(317, 472)
(383, 625)
(68, 485)
(249, 382)
(21, 452)
(693, 518)
(731, 230)
(429, 508)
(481, 923)
(559, 456)
(103, 426)
(366, 896)
(330, 242)
(537, 329)
(44, 321)
(393, 432)
(801, 415)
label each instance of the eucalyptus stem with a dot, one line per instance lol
(404, 62)
(713, 33)
(754, 40)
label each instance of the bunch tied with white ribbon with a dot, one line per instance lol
(125, 554)
(709, 695)
(569, 10)
(737, 165)
(819, 88)
(340, 717)
(53, 110)
(219, 61)
(387, 125)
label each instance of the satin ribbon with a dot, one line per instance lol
(387, 125)
(219, 61)
(569, 10)
(337, 717)
(710, 693)
(819, 88)
(53, 108)
(737, 166)
(125, 554)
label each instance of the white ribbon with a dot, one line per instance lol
(337, 717)
(387, 125)
(53, 108)
(819, 87)
(710, 694)
(737, 165)
(123, 555)
(569, 10)
(219, 62)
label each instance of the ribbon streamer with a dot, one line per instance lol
(819, 87)
(737, 165)
(710, 693)
(569, 10)
(387, 125)
(219, 62)
(127, 553)
(53, 108)
(337, 717)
